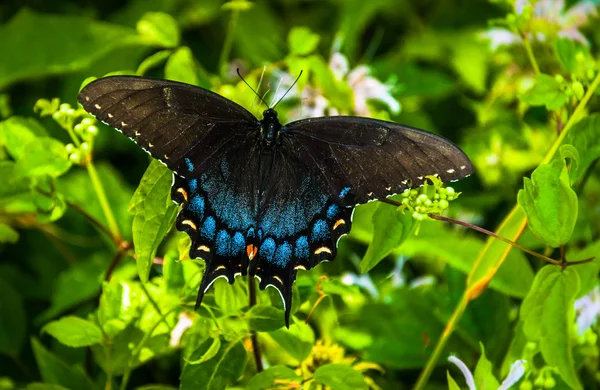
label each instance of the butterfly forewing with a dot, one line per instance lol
(171, 121)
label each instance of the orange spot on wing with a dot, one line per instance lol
(251, 251)
(184, 193)
(338, 223)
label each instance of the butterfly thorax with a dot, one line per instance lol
(270, 127)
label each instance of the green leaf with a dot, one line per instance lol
(44, 386)
(484, 377)
(297, 341)
(119, 306)
(546, 91)
(154, 215)
(548, 317)
(159, 29)
(566, 50)
(588, 272)
(153, 61)
(181, 66)
(340, 377)
(12, 320)
(452, 385)
(266, 379)
(218, 372)
(390, 230)
(43, 156)
(57, 50)
(585, 137)
(74, 331)
(550, 203)
(230, 297)
(8, 234)
(302, 41)
(55, 371)
(18, 133)
(263, 318)
(207, 354)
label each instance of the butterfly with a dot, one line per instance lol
(258, 197)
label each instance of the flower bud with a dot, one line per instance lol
(75, 158)
(578, 89)
(70, 148)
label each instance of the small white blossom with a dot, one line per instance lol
(588, 310)
(184, 322)
(363, 281)
(517, 370)
(366, 88)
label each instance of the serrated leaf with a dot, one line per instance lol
(340, 377)
(302, 41)
(263, 318)
(548, 317)
(217, 373)
(297, 341)
(181, 66)
(390, 230)
(12, 320)
(8, 234)
(585, 137)
(484, 377)
(55, 371)
(159, 28)
(550, 203)
(546, 91)
(74, 331)
(154, 215)
(272, 377)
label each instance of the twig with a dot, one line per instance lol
(254, 335)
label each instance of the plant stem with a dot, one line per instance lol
(529, 51)
(254, 335)
(227, 45)
(441, 344)
(97, 184)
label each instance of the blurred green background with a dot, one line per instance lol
(501, 79)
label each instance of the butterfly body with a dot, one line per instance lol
(258, 197)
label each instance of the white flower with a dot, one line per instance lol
(363, 281)
(498, 37)
(367, 87)
(398, 279)
(517, 370)
(588, 310)
(184, 322)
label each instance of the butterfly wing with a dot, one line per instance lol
(183, 126)
(361, 159)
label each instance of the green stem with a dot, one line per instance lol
(572, 120)
(154, 304)
(441, 344)
(97, 184)
(228, 44)
(529, 51)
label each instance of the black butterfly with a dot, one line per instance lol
(258, 197)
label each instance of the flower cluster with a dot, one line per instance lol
(432, 199)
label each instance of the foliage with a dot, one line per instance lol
(97, 289)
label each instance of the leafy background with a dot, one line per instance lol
(97, 291)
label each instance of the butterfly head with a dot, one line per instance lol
(270, 127)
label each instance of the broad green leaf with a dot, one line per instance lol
(550, 203)
(181, 66)
(230, 297)
(340, 376)
(206, 354)
(548, 317)
(297, 340)
(55, 371)
(263, 318)
(217, 373)
(44, 386)
(546, 91)
(57, 50)
(153, 61)
(8, 234)
(302, 41)
(18, 133)
(390, 228)
(154, 214)
(49, 209)
(266, 380)
(588, 273)
(566, 50)
(74, 331)
(119, 306)
(262, 42)
(484, 377)
(452, 385)
(13, 324)
(585, 137)
(173, 273)
(470, 60)
(159, 29)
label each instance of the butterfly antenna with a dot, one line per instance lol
(249, 86)
(289, 89)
